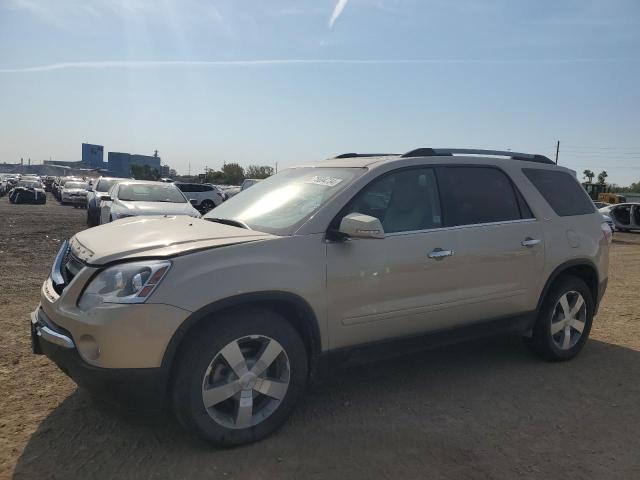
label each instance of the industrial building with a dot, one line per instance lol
(93, 155)
(119, 164)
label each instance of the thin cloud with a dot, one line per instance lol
(337, 11)
(139, 64)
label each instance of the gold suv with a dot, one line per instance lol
(226, 318)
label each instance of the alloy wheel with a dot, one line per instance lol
(246, 381)
(568, 320)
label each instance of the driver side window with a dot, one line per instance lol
(405, 200)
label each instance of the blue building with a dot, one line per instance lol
(93, 155)
(119, 164)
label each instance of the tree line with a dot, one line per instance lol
(229, 174)
(602, 178)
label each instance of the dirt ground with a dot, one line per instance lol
(484, 409)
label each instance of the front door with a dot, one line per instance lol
(404, 283)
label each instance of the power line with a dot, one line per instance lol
(599, 148)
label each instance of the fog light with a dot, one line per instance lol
(88, 347)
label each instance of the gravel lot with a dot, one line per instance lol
(485, 409)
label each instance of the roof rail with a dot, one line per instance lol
(358, 155)
(440, 152)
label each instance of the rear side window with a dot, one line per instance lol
(561, 191)
(481, 195)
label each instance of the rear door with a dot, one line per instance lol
(499, 241)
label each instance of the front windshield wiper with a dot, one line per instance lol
(228, 221)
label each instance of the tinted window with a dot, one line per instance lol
(479, 195)
(561, 190)
(403, 201)
(206, 188)
(185, 187)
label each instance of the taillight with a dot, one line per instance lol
(606, 230)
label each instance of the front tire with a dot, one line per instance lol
(564, 321)
(207, 205)
(238, 378)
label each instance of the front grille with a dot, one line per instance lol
(69, 268)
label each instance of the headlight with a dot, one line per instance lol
(124, 283)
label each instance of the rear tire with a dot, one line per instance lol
(205, 366)
(564, 321)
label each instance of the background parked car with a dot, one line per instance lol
(625, 216)
(248, 182)
(59, 183)
(75, 193)
(130, 198)
(229, 190)
(28, 191)
(4, 186)
(206, 196)
(48, 183)
(98, 191)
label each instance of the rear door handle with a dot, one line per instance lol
(439, 254)
(530, 242)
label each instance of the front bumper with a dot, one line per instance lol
(78, 199)
(142, 389)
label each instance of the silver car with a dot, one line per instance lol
(131, 198)
(319, 261)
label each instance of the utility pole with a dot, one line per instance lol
(276, 167)
(557, 151)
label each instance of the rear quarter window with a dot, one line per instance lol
(561, 191)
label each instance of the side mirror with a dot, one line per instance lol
(105, 198)
(193, 202)
(358, 225)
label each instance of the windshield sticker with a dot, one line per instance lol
(324, 181)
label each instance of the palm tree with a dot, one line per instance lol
(588, 174)
(602, 176)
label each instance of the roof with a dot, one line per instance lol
(151, 182)
(437, 155)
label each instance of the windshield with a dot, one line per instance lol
(105, 185)
(64, 181)
(70, 185)
(29, 184)
(143, 192)
(283, 201)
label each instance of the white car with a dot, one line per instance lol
(229, 190)
(249, 182)
(74, 192)
(625, 216)
(138, 197)
(206, 196)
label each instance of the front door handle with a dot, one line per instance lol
(530, 242)
(439, 253)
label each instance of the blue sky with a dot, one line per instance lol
(207, 81)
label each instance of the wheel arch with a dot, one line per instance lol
(582, 268)
(294, 308)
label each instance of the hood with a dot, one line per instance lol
(74, 190)
(158, 236)
(153, 208)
